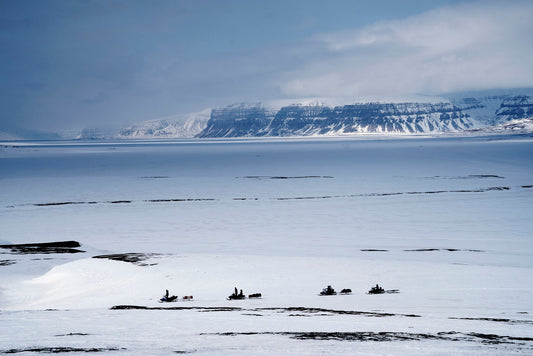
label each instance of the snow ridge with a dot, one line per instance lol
(172, 127)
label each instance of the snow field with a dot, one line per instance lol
(459, 254)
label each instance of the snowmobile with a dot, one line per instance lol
(328, 291)
(237, 295)
(376, 290)
(166, 299)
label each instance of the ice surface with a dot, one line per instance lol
(447, 221)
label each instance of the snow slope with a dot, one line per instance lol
(175, 126)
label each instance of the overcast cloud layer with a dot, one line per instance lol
(474, 46)
(66, 65)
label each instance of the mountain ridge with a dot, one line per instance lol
(467, 112)
(459, 115)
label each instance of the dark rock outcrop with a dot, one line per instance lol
(301, 120)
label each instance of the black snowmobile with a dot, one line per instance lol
(376, 290)
(237, 295)
(328, 291)
(168, 298)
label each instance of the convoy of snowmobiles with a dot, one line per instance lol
(239, 295)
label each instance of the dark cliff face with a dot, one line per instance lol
(517, 107)
(291, 119)
(301, 120)
(237, 121)
(297, 120)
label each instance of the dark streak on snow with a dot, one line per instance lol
(171, 200)
(284, 177)
(73, 334)
(292, 310)
(44, 248)
(135, 258)
(7, 262)
(442, 249)
(61, 203)
(481, 190)
(366, 336)
(176, 200)
(498, 320)
(207, 309)
(334, 311)
(470, 176)
(60, 349)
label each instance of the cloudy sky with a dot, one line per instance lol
(66, 65)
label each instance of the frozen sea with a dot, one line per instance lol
(445, 221)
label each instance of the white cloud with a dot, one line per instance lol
(480, 45)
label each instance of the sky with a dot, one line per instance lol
(68, 65)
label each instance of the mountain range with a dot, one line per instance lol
(489, 112)
(475, 112)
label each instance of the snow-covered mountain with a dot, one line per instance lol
(307, 120)
(513, 108)
(452, 114)
(518, 126)
(172, 127)
(491, 108)
(457, 112)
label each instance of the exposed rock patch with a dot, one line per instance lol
(135, 258)
(44, 248)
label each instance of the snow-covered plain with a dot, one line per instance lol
(447, 221)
